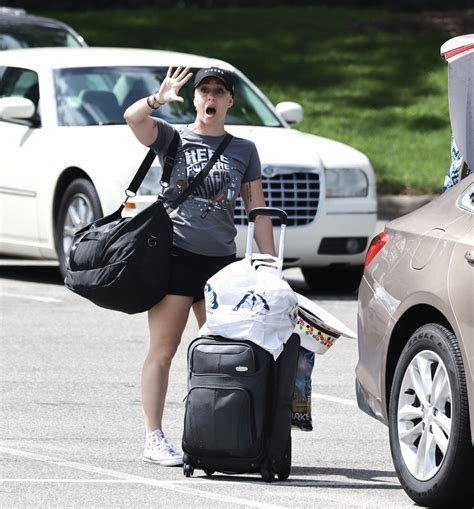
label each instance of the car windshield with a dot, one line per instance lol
(25, 35)
(100, 95)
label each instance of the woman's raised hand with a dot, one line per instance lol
(171, 85)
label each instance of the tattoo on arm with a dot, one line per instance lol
(249, 192)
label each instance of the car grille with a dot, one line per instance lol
(296, 193)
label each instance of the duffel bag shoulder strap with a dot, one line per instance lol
(203, 173)
(146, 164)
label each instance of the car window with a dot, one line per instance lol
(100, 95)
(27, 35)
(18, 82)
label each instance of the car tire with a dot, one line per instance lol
(80, 205)
(430, 436)
(333, 279)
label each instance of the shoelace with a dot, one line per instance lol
(164, 445)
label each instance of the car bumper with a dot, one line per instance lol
(367, 403)
(374, 323)
(303, 244)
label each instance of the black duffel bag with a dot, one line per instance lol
(123, 263)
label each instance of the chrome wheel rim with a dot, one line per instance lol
(79, 213)
(424, 415)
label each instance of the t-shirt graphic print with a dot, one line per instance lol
(204, 222)
(218, 189)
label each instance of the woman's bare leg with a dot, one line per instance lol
(167, 321)
(199, 309)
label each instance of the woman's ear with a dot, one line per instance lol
(231, 102)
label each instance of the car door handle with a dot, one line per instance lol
(469, 256)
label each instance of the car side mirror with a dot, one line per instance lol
(290, 111)
(16, 108)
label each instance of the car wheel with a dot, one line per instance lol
(79, 206)
(429, 420)
(333, 279)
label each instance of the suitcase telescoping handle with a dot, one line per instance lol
(268, 211)
(272, 212)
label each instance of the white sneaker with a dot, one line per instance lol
(160, 451)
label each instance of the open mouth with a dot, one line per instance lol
(210, 111)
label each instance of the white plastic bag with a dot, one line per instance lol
(252, 304)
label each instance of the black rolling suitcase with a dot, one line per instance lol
(238, 407)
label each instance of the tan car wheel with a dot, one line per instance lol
(429, 420)
(424, 415)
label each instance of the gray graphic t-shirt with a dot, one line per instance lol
(204, 223)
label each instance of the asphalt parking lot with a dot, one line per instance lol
(71, 424)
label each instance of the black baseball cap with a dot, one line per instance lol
(214, 72)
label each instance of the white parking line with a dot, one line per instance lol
(29, 297)
(116, 481)
(335, 399)
(167, 485)
(112, 481)
(15, 262)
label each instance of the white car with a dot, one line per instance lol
(67, 157)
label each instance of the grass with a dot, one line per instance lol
(383, 91)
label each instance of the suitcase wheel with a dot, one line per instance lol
(208, 472)
(266, 472)
(188, 469)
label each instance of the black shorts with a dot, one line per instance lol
(190, 271)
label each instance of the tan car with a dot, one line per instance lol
(416, 338)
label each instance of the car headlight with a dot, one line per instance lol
(151, 183)
(346, 183)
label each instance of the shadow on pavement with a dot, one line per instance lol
(298, 285)
(33, 273)
(352, 479)
(350, 473)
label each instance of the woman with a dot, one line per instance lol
(204, 230)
